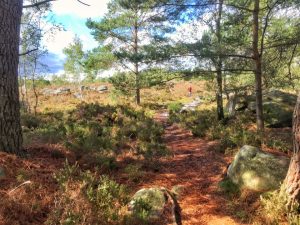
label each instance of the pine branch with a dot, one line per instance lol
(37, 4)
(28, 52)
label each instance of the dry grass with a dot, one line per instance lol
(152, 96)
(193, 164)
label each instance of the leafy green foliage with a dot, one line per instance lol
(229, 188)
(104, 131)
(141, 211)
(274, 208)
(134, 172)
(174, 107)
(232, 133)
(75, 58)
(278, 144)
(131, 35)
(86, 198)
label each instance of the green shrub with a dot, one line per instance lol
(174, 107)
(93, 128)
(66, 174)
(274, 208)
(87, 136)
(231, 133)
(141, 211)
(229, 188)
(86, 198)
(107, 196)
(199, 122)
(49, 133)
(134, 172)
(30, 121)
(279, 144)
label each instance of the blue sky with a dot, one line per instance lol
(72, 15)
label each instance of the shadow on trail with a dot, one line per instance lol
(198, 169)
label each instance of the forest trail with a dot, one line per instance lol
(196, 167)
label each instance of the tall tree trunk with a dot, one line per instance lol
(292, 180)
(10, 127)
(136, 65)
(257, 70)
(220, 109)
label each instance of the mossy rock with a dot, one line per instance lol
(150, 201)
(257, 170)
(156, 205)
(278, 108)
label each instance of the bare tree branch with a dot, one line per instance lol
(83, 3)
(37, 4)
(28, 52)
(209, 4)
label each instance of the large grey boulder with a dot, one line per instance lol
(62, 91)
(278, 108)
(153, 203)
(58, 91)
(236, 102)
(2, 173)
(231, 104)
(48, 91)
(257, 170)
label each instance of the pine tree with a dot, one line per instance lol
(133, 31)
(10, 127)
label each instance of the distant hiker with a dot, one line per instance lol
(190, 91)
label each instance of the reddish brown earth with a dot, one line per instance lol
(31, 203)
(194, 165)
(198, 169)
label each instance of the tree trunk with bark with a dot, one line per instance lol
(257, 68)
(220, 109)
(10, 127)
(292, 180)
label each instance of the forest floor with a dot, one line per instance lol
(198, 170)
(194, 165)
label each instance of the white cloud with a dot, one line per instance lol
(88, 42)
(61, 39)
(57, 42)
(97, 8)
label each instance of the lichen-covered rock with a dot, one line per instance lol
(154, 204)
(58, 91)
(62, 91)
(102, 88)
(278, 108)
(152, 198)
(257, 170)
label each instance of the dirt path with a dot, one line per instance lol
(198, 169)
